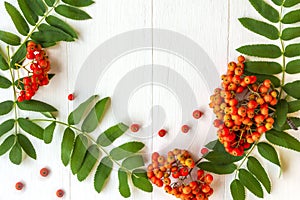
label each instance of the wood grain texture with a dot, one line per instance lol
(165, 98)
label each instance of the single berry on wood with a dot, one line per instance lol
(134, 128)
(44, 172)
(71, 97)
(60, 193)
(162, 132)
(19, 185)
(197, 114)
(185, 128)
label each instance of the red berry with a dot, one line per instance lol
(134, 128)
(197, 114)
(71, 97)
(60, 193)
(162, 132)
(44, 172)
(19, 185)
(185, 128)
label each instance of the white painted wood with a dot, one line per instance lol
(171, 75)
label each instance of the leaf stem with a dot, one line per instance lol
(283, 56)
(14, 90)
(88, 136)
(245, 158)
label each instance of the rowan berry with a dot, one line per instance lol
(60, 193)
(205, 188)
(71, 97)
(185, 128)
(44, 172)
(187, 190)
(162, 132)
(267, 83)
(134, 128)
(197, 114)
(241, 59)
(208, 178)
(19, 186)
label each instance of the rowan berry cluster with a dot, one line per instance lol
(38, 72)
(176, 173)
(243, 108)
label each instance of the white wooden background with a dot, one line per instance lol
(212, 24)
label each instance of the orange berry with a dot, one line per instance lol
(267, 83)
(167, 181)
(155, 155)
(134, 128)
(208, 178)
(190, 163)
(205, 188)
(241, 59)
(187, 190)
(185, 128)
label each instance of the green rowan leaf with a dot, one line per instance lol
(78, 3)
(76, 115)
(221, 158)
(278, 2)
(268, 152)
(95, 116)
(37, 6)
(6, 126)
(293, 67)
(141, 182)
(50, 3)
(259, 172)
(4, 82)
(251, 183)
(15, 154)
(3, 63)
(19, 56)
(6, 107)
(125, 150)
(31, 128)
(291, 17)
(292, 89)
(216, 168)
(67, 146)
(7, 144)
(50, 34)
(133, 162)
(290, 33)
(10, 38)
(290, 3)
(103, 172)
(44, 28)
(89, 162)
(262, 67)
(28, 13)
(17, 19)
(294, 106)
(111, 134)
(261, 50)
(281, 112)
(58, 23)
(72, 12)
(123, 184)
(237, 190)
(265, 10)
(26, 146)
(36, 106)
(261, 28)
(48, 133)
(78, 154)
(292, 50)
(283, 139)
